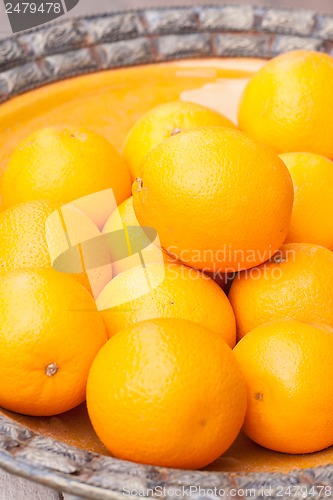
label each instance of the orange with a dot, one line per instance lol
(218, 200)
(125, 212)
(287, 104)
(124, 218)
(50, 332)
(312, 216)
(62, 164)
(166, 392)
(23, 242)
(166, 291)
(162, 122)
(297, 283)
(23, 237)
(288, 370)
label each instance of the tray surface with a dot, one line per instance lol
(63, 452)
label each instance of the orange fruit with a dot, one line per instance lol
(287, 103)
(218, 200)
(50, 332)
(297, 283)
(22, 236)
(23, 242)
(288, 370)
(62, 164)
(166, 392)
(162, 122)
(124, 219)
(166, 291)
(312, 216)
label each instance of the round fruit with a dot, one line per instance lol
(166, 291)
(62, 164)
(289, 371)
(23, 237)
(124, 219)
(50, 332)
(287, 103)
(218, 200)
(297, 283)
(166, 392)
(162, 122)
(312, 216)
(23, 241)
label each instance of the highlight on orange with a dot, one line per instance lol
(76, 244)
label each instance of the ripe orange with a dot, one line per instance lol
(62, 164)
(218, 200)
(23, 242)
(166, 392)
(287, 104)
(166, 291)
(312, 216)
(22, 236)
(162, 122)
(297, 283)
(50, 332)
(124, 219)
(289, 371)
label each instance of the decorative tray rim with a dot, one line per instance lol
(87, 44)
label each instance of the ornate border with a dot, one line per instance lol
(74, 47)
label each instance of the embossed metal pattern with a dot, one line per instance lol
(77, 46)
(74, 47)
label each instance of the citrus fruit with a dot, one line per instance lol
(50, 332)
(218, 200)
(287, 103)
(166, 392)
(61, 164)
(124, 219)
(23, 241)
(75, 246)
(166, 291)
(288, 370)
(312, 216)
(162, 122)
(297, 283)
(22, 235)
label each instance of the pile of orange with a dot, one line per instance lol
(172, 368)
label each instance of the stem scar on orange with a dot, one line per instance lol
(288, 370)
(218, 200)
(164, 121)
(50, 332)
(61, 164)
(296, 283)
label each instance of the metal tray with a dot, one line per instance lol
(89, 44)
